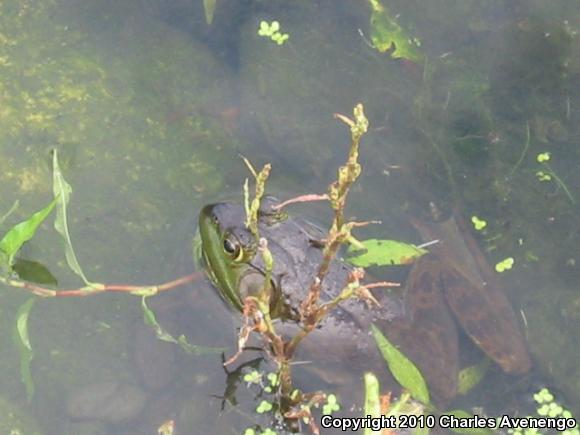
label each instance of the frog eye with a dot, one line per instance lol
(233, 248)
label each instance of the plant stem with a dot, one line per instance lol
(524, 152)
(100, 288)
(560, 183)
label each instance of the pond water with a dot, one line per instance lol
(150, 107)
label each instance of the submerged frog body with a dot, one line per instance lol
(236, 269)
(438, 293)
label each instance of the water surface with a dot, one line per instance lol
(150, 108)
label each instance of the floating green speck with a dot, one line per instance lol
(478, 224)
(505, 264)
(543, 157)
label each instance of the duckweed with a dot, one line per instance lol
(543, 157)
(543, 396)
(272, 31)
(254, 377)
(543, 176)
(549, 407)
(505, 264)
(478, 224)
(331, 405)
(264, 407)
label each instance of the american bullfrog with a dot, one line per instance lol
(438, 294)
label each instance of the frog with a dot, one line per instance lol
(440, 296)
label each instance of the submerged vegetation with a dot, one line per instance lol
(291, 404)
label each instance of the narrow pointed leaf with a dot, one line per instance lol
(402, 368)
(151, 320)
(21, 233)
(22, 340)
(209, 9)
(62, 191)
(383, 253)
(372, 400)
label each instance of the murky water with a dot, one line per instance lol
(150, 108)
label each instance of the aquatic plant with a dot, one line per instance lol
(505, 264)
(256, 316)
(547, 174)
(293, 404)
(13, 240)
(256, 312)
(272, 31)
(478, 223)
(331, 405)
(209, 10)
(387, 35)
(547, 406)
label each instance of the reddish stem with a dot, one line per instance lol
(124, 288)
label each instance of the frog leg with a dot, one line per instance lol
(486, 315)
(428, 335)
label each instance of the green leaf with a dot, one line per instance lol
(372, 400)
(384, 253)
(150, 319)
(402, 368)
(471, 376)
(33, 271)
(209, 9)
(21, 233)
(459, 413)
(22, 340)
(62, 191)
(388, 35)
